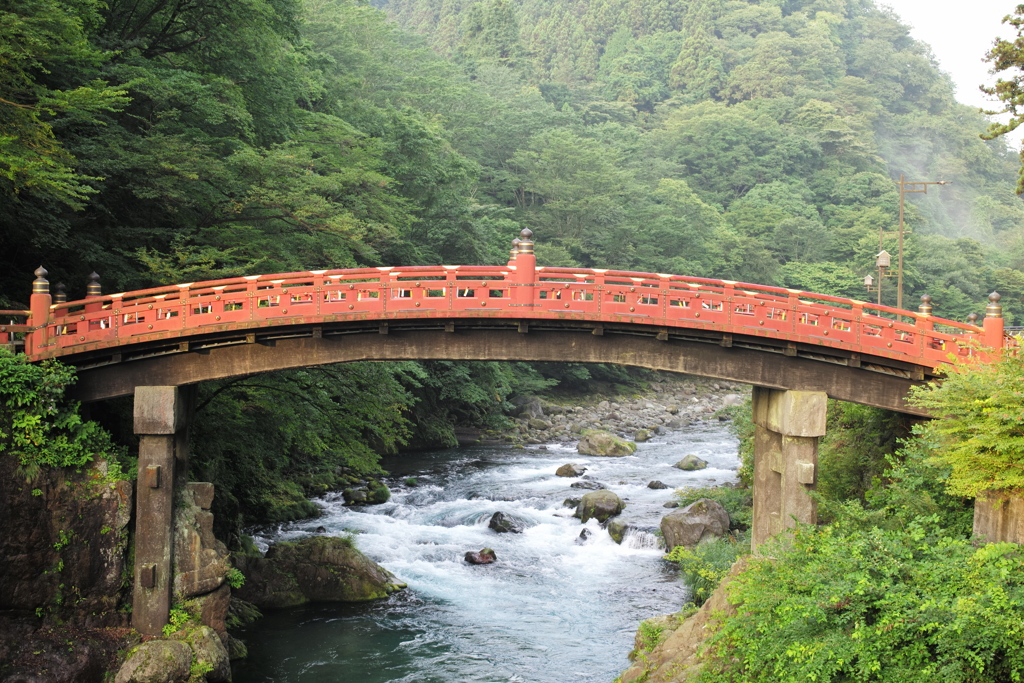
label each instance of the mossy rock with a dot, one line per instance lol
(156, 661)
(600, 505)
(317, 569)
(691, 463)
(604, 444)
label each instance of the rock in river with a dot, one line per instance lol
(587, 484)
(570, 469)
(600, 505)
(485, 556)
(691, 462)
(157, 661)
(503, 523)
(605, 443)
(701, 519)
(317, 569)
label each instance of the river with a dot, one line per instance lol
(551, 609)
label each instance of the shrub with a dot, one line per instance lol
(37, 425)
(845, 603)
(856, 447)
(704, 566)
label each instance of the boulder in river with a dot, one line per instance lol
(372, 493)
(641, 435)
(571, 502)
(587, 484)
(600, 505)
(583, 537)
(605, 443)
(657, 485)
(504, 523)
(691, 463)
(485, 556)
(702, 519)
(316, 569)
(570, 469)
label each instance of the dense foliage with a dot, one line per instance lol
(38, 425)
(856, 448)
(981, 435)
(734, 138)
(846, 603)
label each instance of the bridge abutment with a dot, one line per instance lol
(787, 427)
(161, 420)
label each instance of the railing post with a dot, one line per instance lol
(994, 322)
(515, 251)
(39, 318)
(525, 278)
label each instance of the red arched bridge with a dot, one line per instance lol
(795, 347)
(767, 336)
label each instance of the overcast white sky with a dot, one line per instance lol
(960, 33)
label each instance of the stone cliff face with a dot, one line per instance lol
(63, 542)
(63, 555)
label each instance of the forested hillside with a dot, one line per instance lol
(751, 140)
(159, 141)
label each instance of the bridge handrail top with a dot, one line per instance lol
(780, 294)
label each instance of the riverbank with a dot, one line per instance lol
(670, 403)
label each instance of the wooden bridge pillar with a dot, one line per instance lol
(161, 421)
(787, 427)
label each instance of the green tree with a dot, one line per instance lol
(981, 433)
(698, 69)
(43, 46)
(1008, 56)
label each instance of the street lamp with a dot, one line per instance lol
(905, 188)
(882, 261)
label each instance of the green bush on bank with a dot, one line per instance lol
(703, 566)
(848, 603)
(37, 424)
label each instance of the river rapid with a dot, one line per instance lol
(553, 608)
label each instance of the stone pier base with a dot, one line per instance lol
(787, 427)
(999, 517)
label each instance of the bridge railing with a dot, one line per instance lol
(758, 310)
(516, 290)
(14, 326)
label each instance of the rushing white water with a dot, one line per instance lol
(552, 608)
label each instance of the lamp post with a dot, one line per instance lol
(882, 261)
(905, 188)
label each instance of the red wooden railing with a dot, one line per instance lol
(518, 290)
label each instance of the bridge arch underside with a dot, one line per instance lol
(753, 360)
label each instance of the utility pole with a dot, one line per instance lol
(905, 189)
